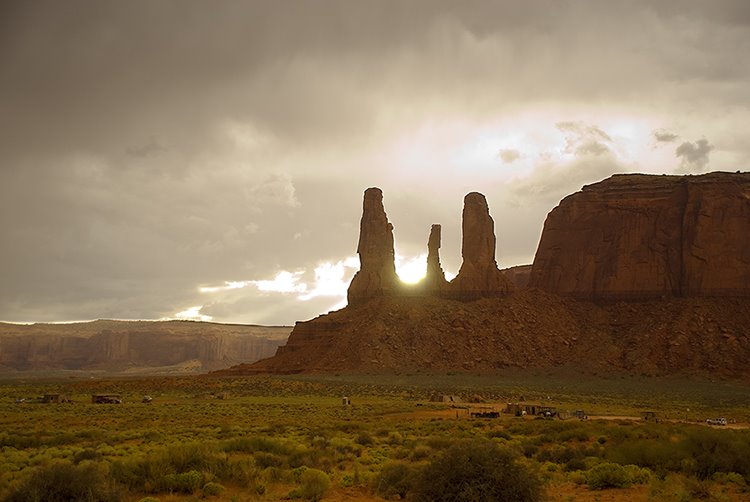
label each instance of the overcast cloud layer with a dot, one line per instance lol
(207, 160)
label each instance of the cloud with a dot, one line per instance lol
(276, 188)
(284, 282)
(550, 181)
(664, 136)
(193, 314)
(332, 279)
(694, 156)
(149, 149)
(509, 155)
(584, 140)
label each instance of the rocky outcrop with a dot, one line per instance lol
(434, 279)
(118, 346)
(528, 330)
(675, 247)
(518, 276)
(642, 236)
(377, 273)
(478, 276)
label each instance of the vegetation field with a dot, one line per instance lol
(280, 438)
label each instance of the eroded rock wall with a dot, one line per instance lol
(644, 236)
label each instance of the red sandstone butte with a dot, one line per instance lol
(478, 276)
(637, 236)
(377, 273)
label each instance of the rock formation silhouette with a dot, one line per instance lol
(674, 251)
(478, 276)
(641, 236)
(434, 279)
(377, 273)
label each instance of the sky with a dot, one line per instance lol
(206, 159)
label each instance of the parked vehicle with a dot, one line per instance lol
(716, 421)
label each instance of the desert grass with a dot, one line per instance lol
(275, 438)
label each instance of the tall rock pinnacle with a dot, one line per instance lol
(434, 279)
(377, 272)
(479, 275)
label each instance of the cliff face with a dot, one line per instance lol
(124, 345)
(530, 330)
(641, 236)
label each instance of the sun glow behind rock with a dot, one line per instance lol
(411, 270)
(284, 282)
(193, 314)
(332, 279)
(328, 280)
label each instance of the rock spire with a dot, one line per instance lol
(479, 275)
(377, 273)
(434, 280)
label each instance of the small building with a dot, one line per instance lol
(515, 409)
(581, 415)
(520, 409)
(56, 398)
(346, 401)
(106, 399)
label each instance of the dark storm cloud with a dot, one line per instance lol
(694, 155)
(151, 147)
(664, 136)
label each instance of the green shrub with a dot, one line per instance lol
(265, 460)
(638, 475)
(364, 439)
(712, 451)
(608, 475)
(474, 471)
(255, 444)
(395, 479)
(184, 482)
(298, 472)
(212, 489)
(314, 484)
(659, 455)
(87, 454)
(63, 481)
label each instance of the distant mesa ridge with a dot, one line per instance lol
(134, 346)
(637, 274)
